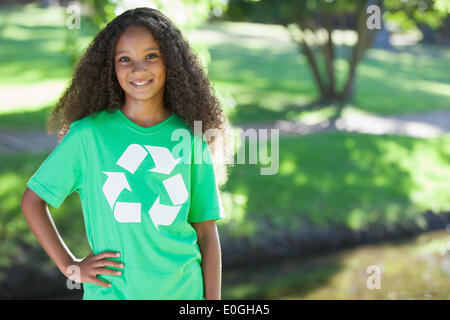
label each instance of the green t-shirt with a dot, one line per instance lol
(140, 190)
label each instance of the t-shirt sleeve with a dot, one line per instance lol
(206, 203)
(61, 173)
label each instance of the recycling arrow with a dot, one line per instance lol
(130, 160)
(162, 214)
(114, 185)
(127, 212)
(164, 162)
(176, 189)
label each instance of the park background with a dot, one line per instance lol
(364, 165)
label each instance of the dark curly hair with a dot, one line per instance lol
(94, 86)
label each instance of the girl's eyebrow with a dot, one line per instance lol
(148, 49)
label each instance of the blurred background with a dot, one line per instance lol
(360, 205)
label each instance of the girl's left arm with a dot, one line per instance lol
(209, 244)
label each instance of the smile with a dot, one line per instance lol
(141, 84)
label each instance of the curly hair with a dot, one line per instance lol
(188, 91)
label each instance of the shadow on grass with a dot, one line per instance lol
(15, 171)
(37, 52)
(403, 82)
(388, 82)
(327, 179)
(26, 119)
(327, 182)
(342, 178)
(33, 60)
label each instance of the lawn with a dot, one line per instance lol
(344, 178)
(325, 179)
(255, 69)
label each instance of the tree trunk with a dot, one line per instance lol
(326, 81)
(365, 40)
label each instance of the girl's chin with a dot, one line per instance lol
(141, 97)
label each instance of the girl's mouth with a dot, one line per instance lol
(139, 85)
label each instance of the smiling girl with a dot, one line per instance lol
(150, 219)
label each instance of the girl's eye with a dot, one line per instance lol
(124, 59)
(154, 55)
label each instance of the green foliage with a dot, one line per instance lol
(284, 12)
(195, 12)
(407, 13)
(100, 11)
(412, 12)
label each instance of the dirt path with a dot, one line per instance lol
(25, 140)
(424, 125)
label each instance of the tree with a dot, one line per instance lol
(311, 23)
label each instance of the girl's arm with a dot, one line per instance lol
(36, 213)
(41, 224)
(209, 244)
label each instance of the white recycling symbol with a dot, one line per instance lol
(130, 160)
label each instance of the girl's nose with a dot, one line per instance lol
(139, 66)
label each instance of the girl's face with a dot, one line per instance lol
(139, 66)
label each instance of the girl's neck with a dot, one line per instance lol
(144, 114)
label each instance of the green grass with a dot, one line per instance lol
(35, 66)
(325, 178)
(346, 178)
(15, 171)
(404, 81)
(256, 77)
(32, 42)
(26, 119)
(265, 79)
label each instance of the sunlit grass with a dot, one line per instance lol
(388, 82)
(15, 170)
(339, 178)
(345, 178)
(35, 67)
(348, 178)
(32, 44)
(31, 117)
(254, 64)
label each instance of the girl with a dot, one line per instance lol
(149, 214)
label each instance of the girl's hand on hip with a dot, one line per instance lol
(92, 265)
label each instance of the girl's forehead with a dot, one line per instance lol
(137, 36)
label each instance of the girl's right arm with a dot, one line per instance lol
(36, 213)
